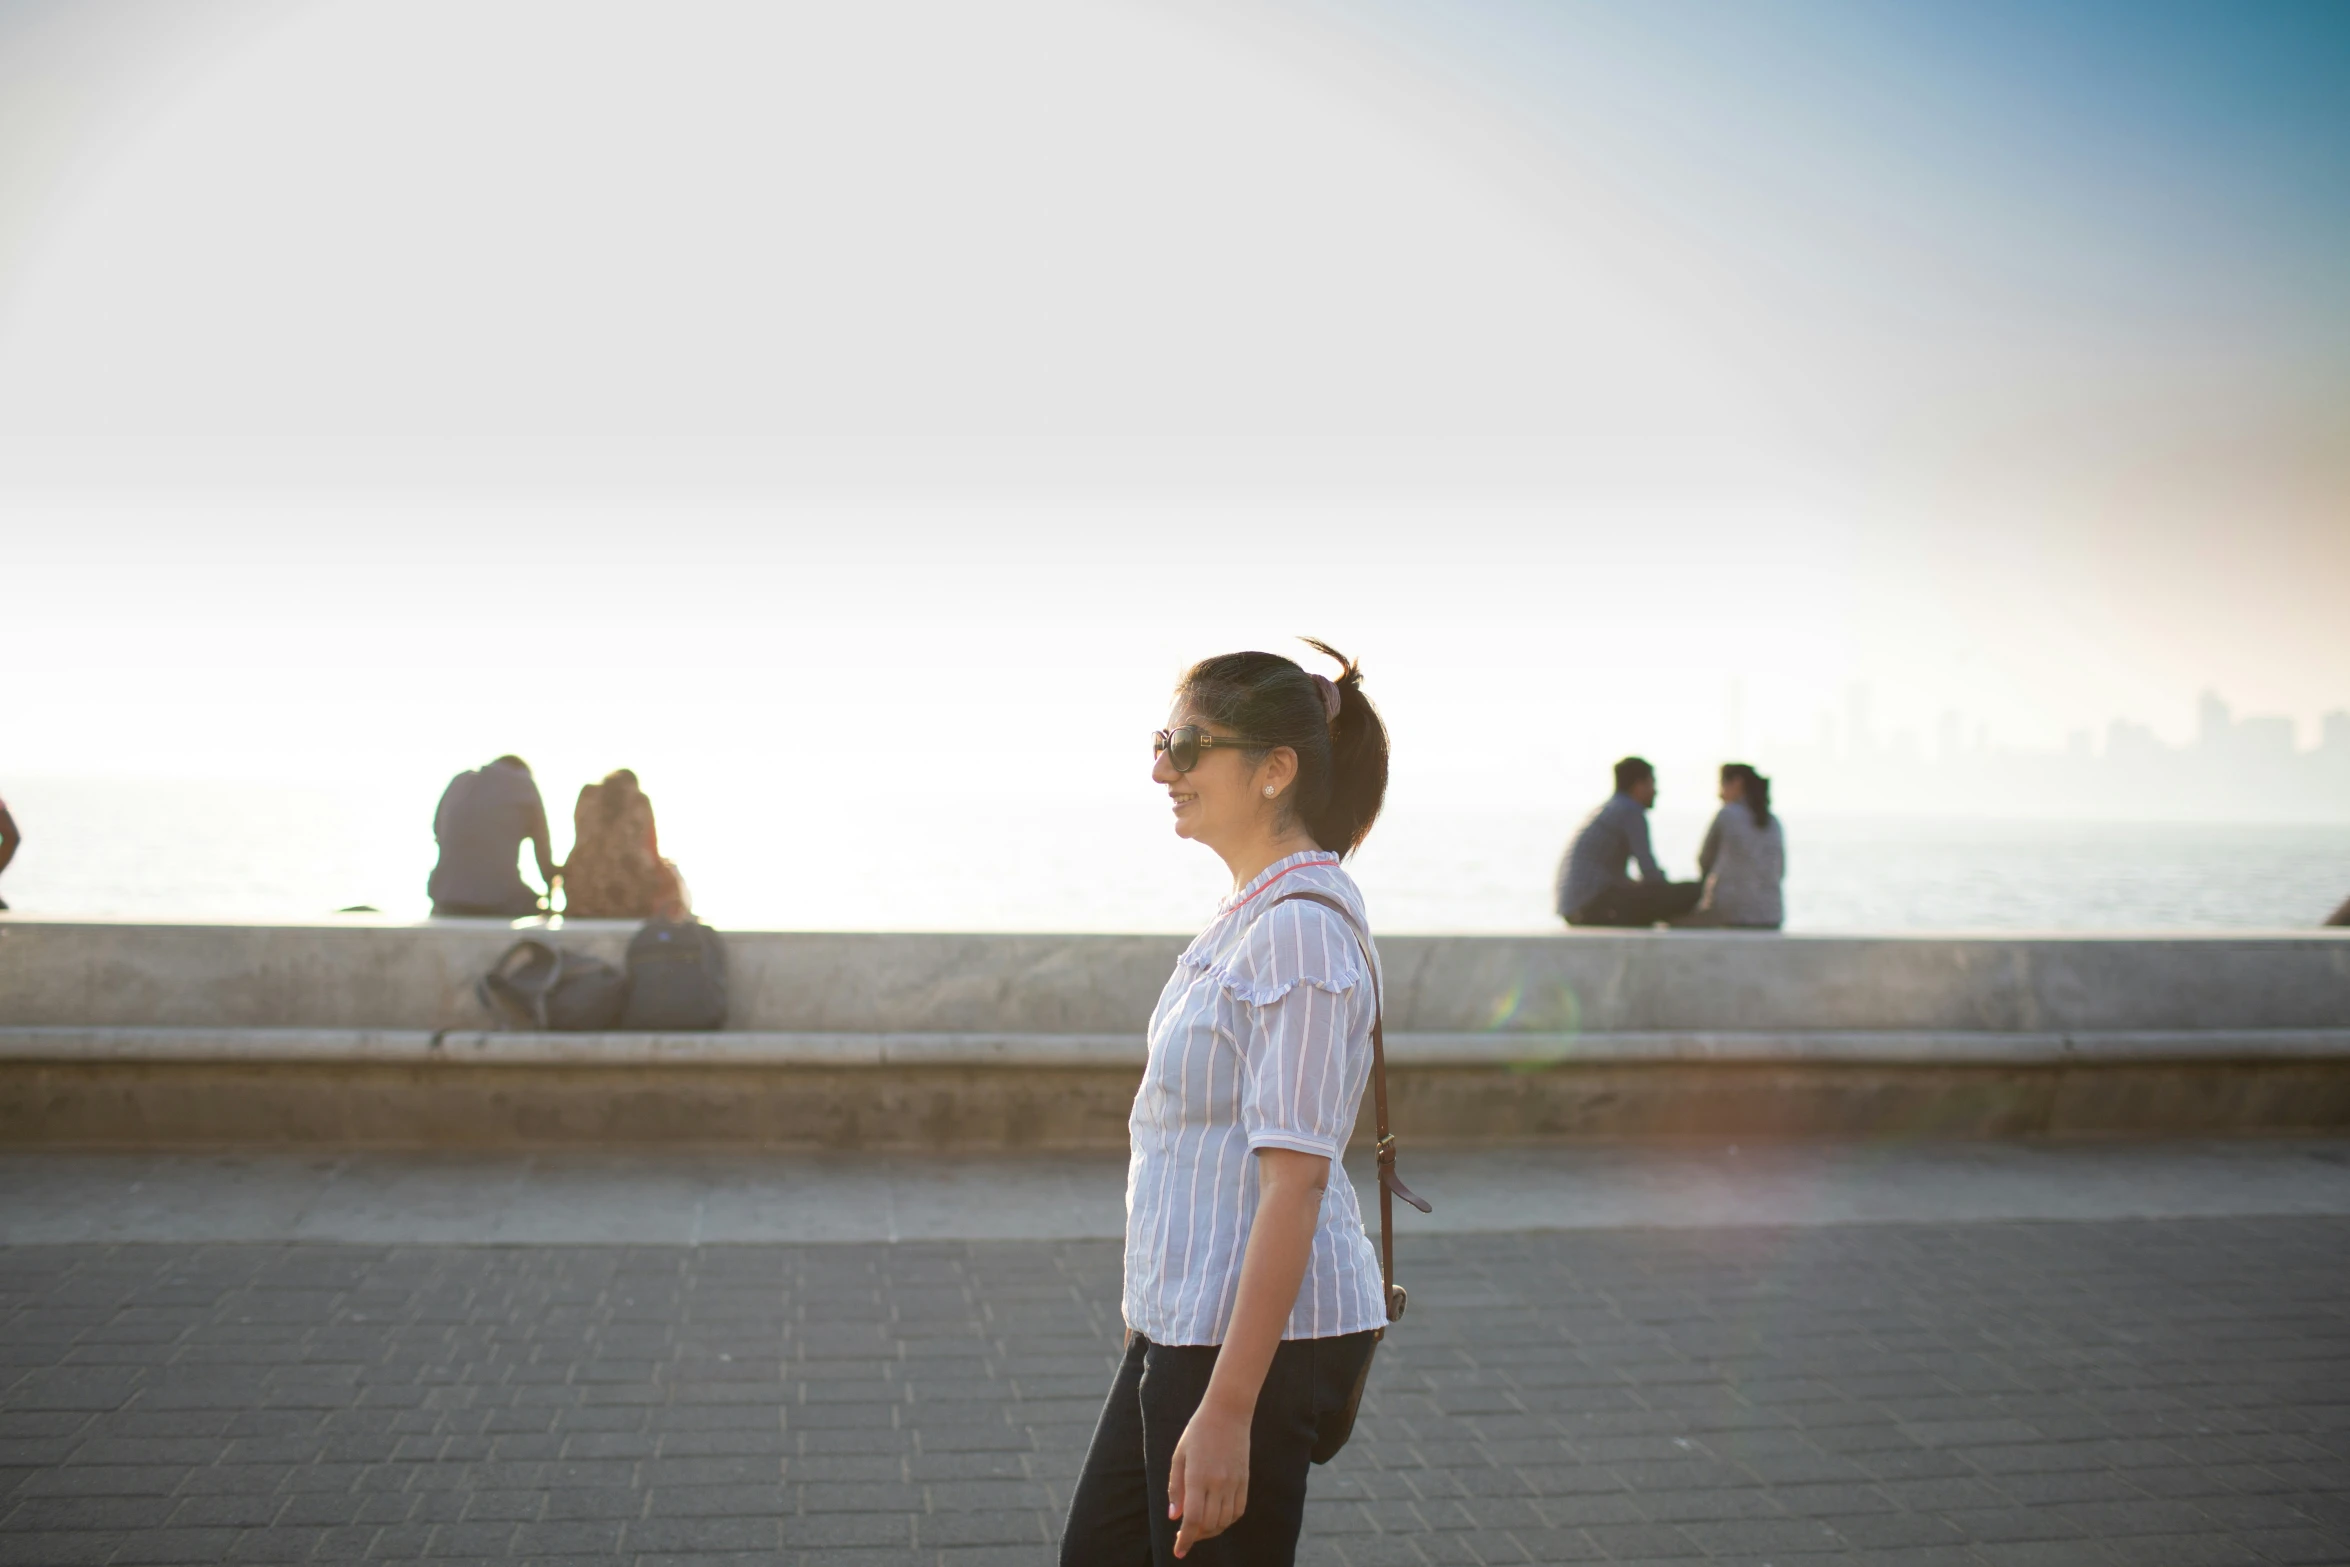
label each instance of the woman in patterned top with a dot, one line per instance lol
(615, 871)
(1252, 1295)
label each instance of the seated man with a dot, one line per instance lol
(1595, 884)
(483, 817)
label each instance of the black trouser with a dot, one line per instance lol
(522, 907)
(1639, 903)
(1118, 1517)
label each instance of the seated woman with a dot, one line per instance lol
(616, 871)
(1744, 858)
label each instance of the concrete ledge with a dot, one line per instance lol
(480, 1048)
(366, 1034)
(222, 1104)
(463, 1048)
(382, 975)
(1938, 1047)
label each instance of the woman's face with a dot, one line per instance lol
(1221, 800)
(1733, 789)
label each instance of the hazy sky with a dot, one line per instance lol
(385, 385)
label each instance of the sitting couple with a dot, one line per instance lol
(1742, 863)
(615, 870)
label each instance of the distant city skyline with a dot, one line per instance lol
(2230, 768)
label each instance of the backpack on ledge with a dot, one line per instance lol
(676, 978)
(538, 985)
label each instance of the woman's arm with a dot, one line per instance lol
(1207, 1481)
(1711, 849)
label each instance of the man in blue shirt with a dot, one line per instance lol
(1595, 883)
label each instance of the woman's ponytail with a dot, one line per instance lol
(1358, 762)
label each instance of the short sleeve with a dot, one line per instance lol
(1301, 974)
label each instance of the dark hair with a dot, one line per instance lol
(1341, 762)
(516, 760)
(1754, 788)
(615, 796)
(1632, 770)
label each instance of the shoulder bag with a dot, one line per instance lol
(1331, 1434)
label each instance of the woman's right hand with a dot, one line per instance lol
(1207, 1479)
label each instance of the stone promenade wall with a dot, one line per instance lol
(367, 1033)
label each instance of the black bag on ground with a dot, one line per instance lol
(538, 985)
(676, 978)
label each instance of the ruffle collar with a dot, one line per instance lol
(1251, 969)
(1274, 872)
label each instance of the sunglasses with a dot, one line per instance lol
(1183, 745)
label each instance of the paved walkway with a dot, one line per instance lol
(1975, 1390)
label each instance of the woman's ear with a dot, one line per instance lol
(1279, 771)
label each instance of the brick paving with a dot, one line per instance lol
(2173, 1391)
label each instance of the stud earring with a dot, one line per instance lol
(1270, 791)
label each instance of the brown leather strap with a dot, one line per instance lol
(1391, 1185)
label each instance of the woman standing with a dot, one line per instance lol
(1744, 858)
(1253, 1297)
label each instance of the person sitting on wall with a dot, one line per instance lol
(9, 839)
(2340, 916)
(1595, 885)
(483, 817)
(616, 871)
(1744, 858)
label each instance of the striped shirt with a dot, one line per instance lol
(1262, 1039)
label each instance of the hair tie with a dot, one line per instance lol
(1329, 691)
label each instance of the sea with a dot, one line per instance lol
(224, 850)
